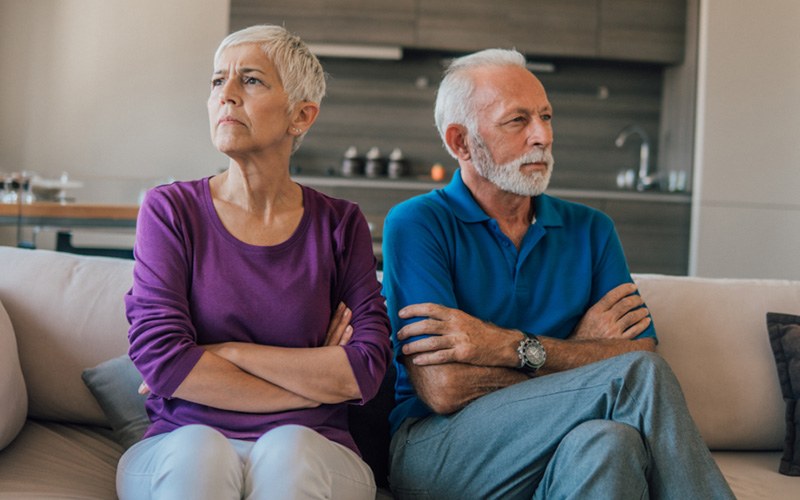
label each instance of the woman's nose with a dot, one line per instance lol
(228, 93)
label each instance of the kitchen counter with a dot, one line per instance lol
(426, 184)
(68, 215)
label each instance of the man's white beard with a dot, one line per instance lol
(508, 176)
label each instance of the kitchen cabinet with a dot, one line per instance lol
(564, 28)
(643, 30)
(635, 30)
(378, 22)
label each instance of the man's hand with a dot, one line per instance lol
(456, 337)
(618, 315)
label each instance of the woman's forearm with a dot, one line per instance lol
(320, 374)
(216, 382)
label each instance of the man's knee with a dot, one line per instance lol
(605, 434)
(645, 365)
(606, 440)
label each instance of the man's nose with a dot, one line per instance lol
(540, 134)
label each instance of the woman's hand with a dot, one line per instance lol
(340, 331)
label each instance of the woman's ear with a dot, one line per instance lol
(456, 138)
(304, 115)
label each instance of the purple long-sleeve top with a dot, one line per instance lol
(195, 284)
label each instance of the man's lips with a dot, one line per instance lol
(538, 165)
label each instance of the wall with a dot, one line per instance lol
(111, 91)
(746, 204)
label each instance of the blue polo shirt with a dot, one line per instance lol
(441, 247)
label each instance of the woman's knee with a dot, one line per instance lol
(201, 449)
(194, 460)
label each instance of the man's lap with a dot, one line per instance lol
(500, 444)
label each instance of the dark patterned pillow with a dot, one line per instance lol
(784, 337)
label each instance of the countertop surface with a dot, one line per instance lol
(70, 210)
(426, 184)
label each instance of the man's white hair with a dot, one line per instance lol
(454, 97)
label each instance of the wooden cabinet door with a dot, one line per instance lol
(565, 27)
(562, 28)
(381, 22)
(643, 30)
(463, 25)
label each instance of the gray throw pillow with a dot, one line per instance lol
(114, 384)
(784, 337)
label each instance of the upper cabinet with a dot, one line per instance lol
(564, 28)
(642, 30)
(635, 30)
(380, 22)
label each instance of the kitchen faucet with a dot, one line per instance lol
(645, 180)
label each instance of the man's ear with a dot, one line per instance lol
(456, 137)
(305, 114)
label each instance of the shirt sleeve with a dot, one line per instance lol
(368, 351)
(163, 341)
(611, 267)
(416, 245)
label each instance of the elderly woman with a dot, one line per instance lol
(255, 313)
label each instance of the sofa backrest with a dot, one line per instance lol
(713, 333)
(68, 315)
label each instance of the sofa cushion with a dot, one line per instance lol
(68, 314)
(711, 332)
(784, 336)
(13, 398)
(114, 384)
(52, 461)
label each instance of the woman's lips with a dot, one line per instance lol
(229, 120)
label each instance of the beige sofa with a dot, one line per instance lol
(64, 313)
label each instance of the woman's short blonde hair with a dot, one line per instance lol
(300, 72)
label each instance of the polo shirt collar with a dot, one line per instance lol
(467, 209)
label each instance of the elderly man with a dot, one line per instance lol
(524, 352)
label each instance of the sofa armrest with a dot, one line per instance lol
(14, 397)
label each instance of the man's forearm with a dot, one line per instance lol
(447, 388)
(568, 354)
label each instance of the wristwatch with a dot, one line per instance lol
(531, 353)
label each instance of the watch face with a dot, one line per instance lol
(535, 355)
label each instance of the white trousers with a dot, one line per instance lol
(198, 462)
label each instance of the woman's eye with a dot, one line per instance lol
(251, 80)
(216, 82)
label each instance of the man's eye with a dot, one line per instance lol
(216, 82)
(547, 117)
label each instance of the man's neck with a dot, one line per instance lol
(512, 212)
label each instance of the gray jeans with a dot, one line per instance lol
(616, 429)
